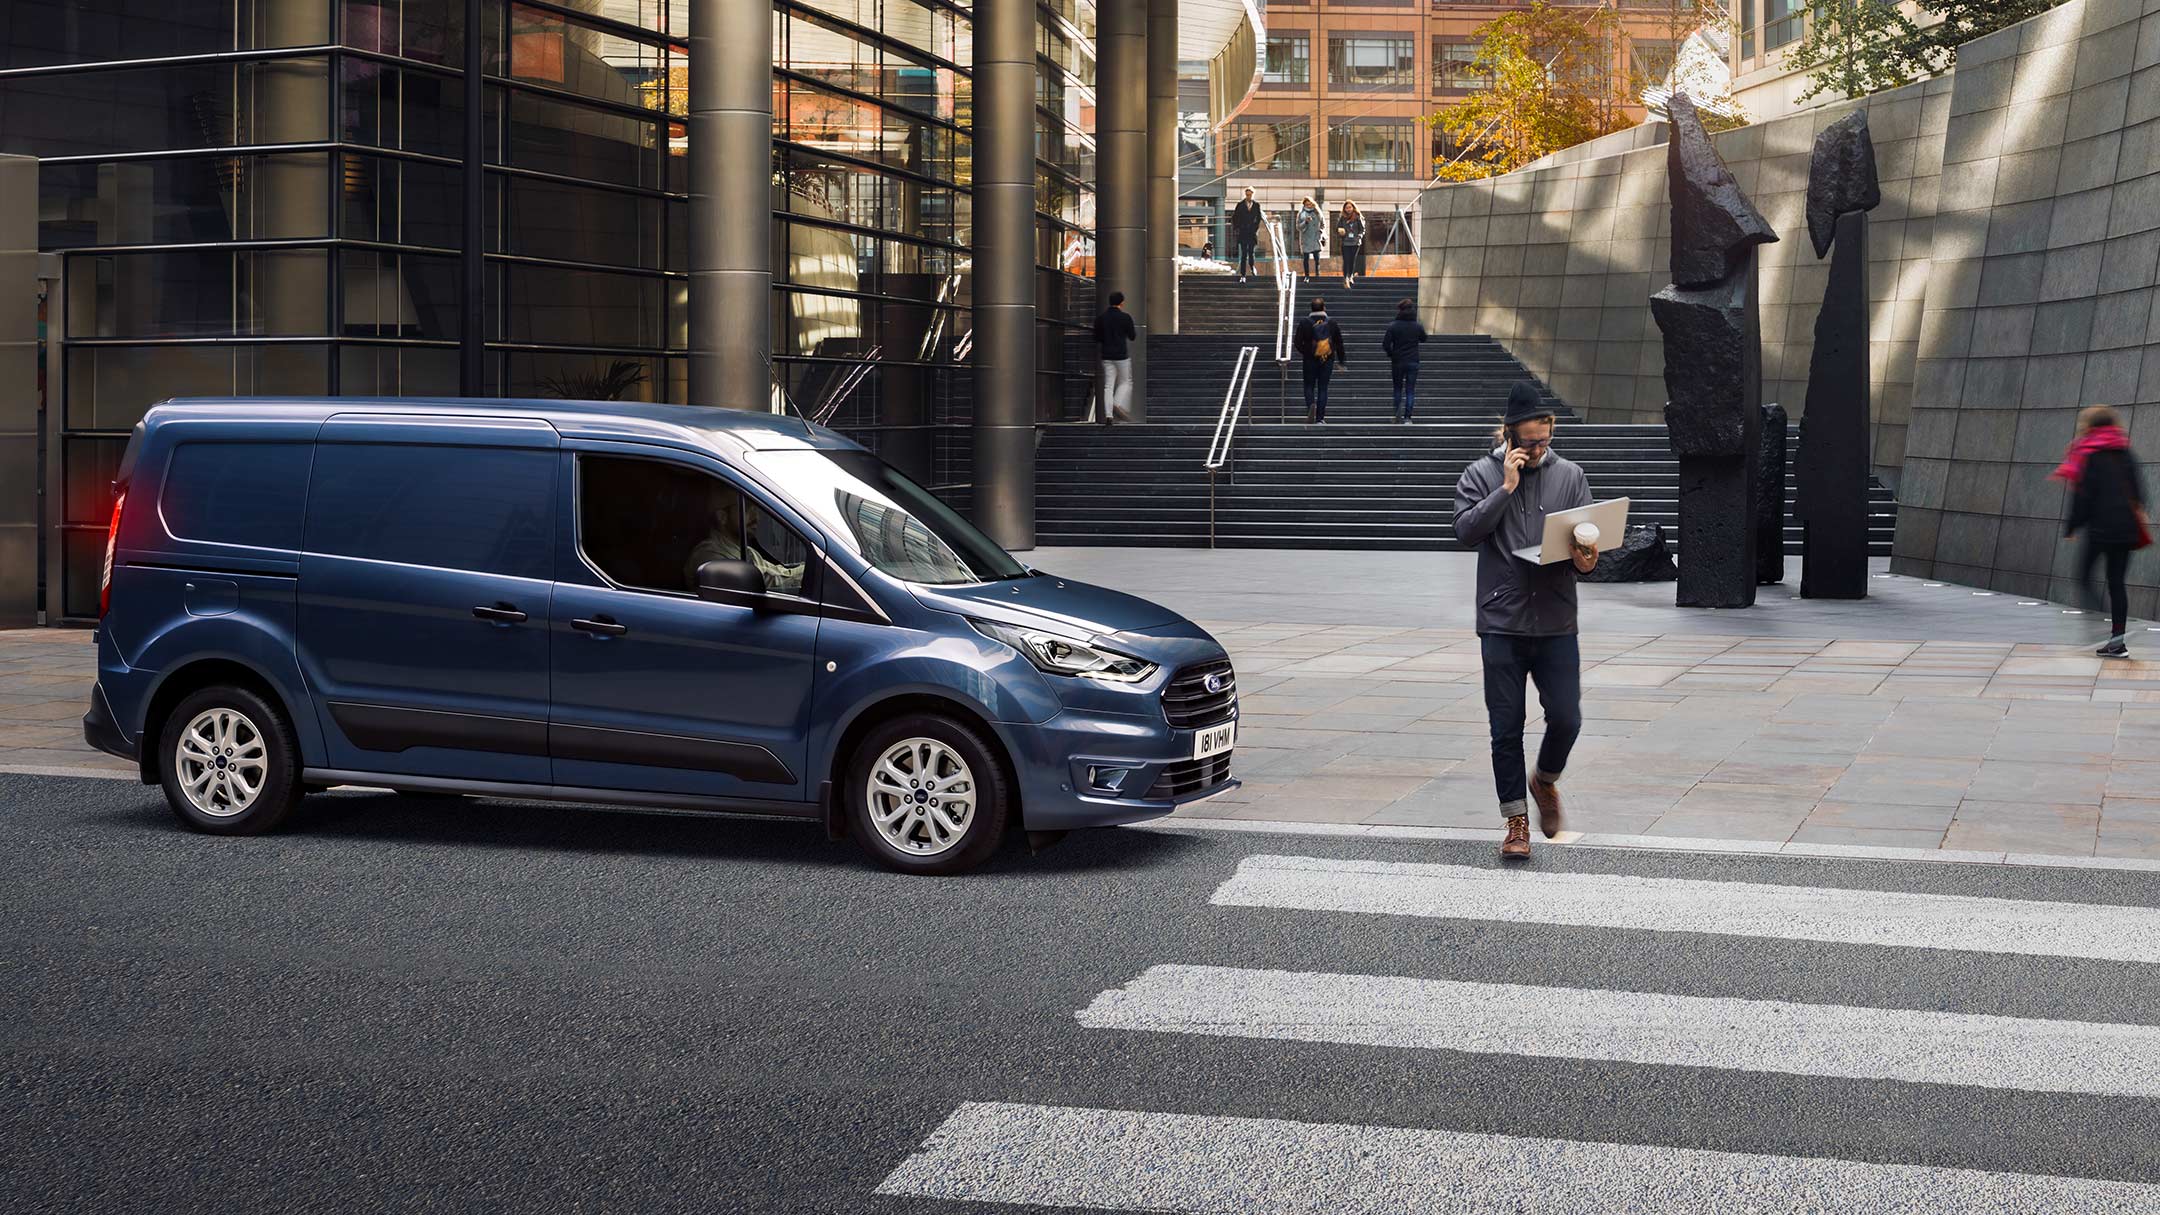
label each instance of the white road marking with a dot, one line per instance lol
(1752, 909)
(1137, 1161)
(1639, 1027)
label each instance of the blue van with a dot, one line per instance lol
(637, 605)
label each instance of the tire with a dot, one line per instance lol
(256, 739)
(936, 756)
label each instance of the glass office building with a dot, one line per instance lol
(280, 196)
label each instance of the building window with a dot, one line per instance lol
(1651, 59)
(1781, 24)
(1372, 62)
(1262, 145)
(1747, 30)
(1455, 67)
(1289, 59)
(1369, 147)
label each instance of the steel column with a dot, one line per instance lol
(731, 236)
(1162, 163)
(1004, 286)
(1121, 186)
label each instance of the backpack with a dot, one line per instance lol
(1323, 341)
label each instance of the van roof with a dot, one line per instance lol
(704, 425)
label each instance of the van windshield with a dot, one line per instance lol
(895, 524)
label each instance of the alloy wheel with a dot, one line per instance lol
(921, 795)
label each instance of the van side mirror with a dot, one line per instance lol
(733, 582)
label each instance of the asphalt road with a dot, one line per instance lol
(476, 1006)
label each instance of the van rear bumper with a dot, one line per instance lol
(101, 730)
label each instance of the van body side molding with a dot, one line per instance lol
(631, 798)
(384, 728)
(597, 744)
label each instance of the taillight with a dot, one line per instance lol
(112, 540)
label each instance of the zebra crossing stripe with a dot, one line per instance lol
(1124, 1160)
(1751, 909)
(1639, 1027)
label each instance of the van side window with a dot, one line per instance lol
(236, 493)
(481, 509)
(649, 524)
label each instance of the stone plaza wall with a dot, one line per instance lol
(18, 391)
(2014, 277)
(2042, 297)
(1558, 260)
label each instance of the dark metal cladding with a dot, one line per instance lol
(1841, 177)
(1770, 498)
(1713, 223)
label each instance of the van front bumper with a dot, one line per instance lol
(1090, 770)
(101, 730)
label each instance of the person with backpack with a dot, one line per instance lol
(1321, 341)
(2107, 503)
(1400, 344)
(1353, 244)
(1310, 225)
(1245, 219)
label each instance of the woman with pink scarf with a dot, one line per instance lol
(2107, 503)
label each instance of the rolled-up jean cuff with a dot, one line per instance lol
(1515, 809)
(1550, 778)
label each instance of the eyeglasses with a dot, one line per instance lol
(1533, 444)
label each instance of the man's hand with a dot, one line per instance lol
(1511, 467)
(1585, 556)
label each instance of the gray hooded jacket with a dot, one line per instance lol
(1515, 597)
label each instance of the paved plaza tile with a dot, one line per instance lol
(1987, 728)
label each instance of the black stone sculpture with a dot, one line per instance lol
(1831, 470)
(1641, 557)
(1713, 364)
(1770, 498)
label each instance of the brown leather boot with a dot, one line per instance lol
(1516, 847)
(1547, 796)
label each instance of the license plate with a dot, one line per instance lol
(1214, 740)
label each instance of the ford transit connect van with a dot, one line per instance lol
(637, 605)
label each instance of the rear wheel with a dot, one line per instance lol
(229, 763)
(927, 794)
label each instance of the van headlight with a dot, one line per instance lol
(1057, 654)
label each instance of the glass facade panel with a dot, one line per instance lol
(1370, 147)
(1375, 61)
(44, 33)
(1455, 67)
(1264, 145)
(1289, 59)
(186, 200)
(196, 105)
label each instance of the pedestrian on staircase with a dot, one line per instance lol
(1525, 611)
(1245, 229)
(1400, 343)
(1353, 244)
(1310, 226)
(1320, 340)
(2107, 503)
(1115, 331)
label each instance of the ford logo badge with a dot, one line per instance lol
(1217, 682)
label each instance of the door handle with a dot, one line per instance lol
(600, 626)
(501, 613)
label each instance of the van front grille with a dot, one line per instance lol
(1189, 705)
(1192, 776)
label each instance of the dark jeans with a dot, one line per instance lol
(1317, 374)
(1353, 260)
(2118, 564)
(1245, 246)
(1555, 665)
(1404, 378)
(1312, 264)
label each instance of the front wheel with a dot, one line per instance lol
(229, 762)
(927, 794)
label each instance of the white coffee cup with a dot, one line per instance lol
(1586, 534)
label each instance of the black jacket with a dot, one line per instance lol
(2104, 504)
(1115, 330)
(1305, 338)
(1245, 219)
(1400, 342)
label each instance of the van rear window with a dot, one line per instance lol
(236, 493)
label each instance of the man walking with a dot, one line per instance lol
(1245, 228)
(1115, 332)
(1320, 340)
(1400, 344)
(1526, 611)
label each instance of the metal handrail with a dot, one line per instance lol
(1233, 408)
